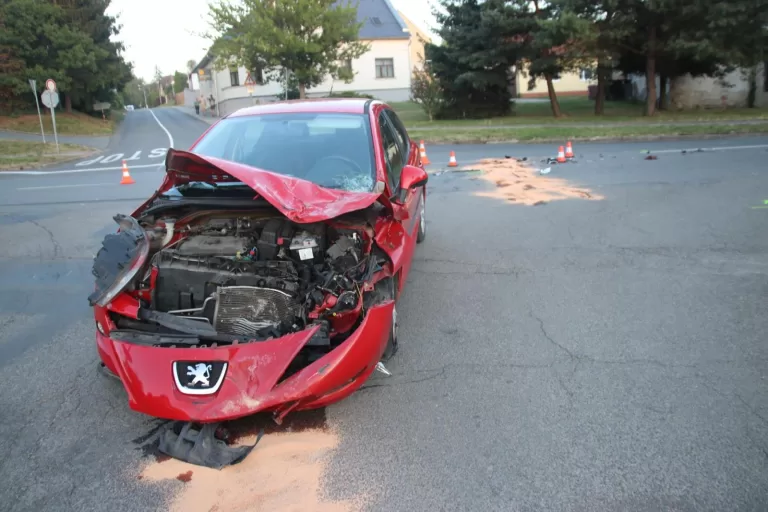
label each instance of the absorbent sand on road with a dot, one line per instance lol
(522, 183)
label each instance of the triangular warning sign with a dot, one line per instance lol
(249, 80)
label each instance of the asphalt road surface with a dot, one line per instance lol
(578, 355)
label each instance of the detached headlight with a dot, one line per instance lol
(121, 257)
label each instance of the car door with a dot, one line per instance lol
(399, 151)
(409, 155)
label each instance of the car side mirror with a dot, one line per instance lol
(412, 177)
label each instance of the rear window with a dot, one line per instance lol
(330, 150)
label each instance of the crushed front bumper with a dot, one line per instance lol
(250, 381)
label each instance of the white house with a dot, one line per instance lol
(383, 72)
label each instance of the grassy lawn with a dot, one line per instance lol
(561, 133)
(20, 154)
(66, 124)
(579, 110)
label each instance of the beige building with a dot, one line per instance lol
(572, 83)
(416, 44)
(384, 71)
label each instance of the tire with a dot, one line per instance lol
(392, 342)
(422, 221)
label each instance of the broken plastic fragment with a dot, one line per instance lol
(201, 447)
(383, 369)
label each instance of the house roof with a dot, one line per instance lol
(380, 20)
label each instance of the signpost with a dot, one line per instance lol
(102, 106)
(249, 83)
(33, 85)
(50, 99)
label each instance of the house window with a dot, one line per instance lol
(234, 77)
(258, 76)
(765, 76)
(586, 74)
(385, 68)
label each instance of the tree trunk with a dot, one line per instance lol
(663, 100)
(302, 91)
(650, 74)
(553, 96)
(600, 98)
(68, 103)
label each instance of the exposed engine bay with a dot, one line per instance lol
(221, 278)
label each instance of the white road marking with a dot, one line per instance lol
(170, 137)
(157, 152)
(719, 148)
(73, 171)
(112, 158)
(67, 186)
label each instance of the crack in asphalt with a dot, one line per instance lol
(57, 250)
(583, 357)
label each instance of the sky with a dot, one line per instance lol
(167, 33)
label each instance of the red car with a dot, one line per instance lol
(263, 274)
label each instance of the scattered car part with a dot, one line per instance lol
(199, 445)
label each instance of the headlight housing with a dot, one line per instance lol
(121, 257)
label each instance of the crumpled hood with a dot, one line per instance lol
(299, 200)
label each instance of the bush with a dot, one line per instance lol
(426, 92)
(350, 94)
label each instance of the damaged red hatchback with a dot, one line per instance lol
(263, 274)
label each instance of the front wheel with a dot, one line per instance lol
(422, 221)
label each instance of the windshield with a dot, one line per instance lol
(331, 150)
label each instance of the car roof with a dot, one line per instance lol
(331, 105)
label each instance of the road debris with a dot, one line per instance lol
(651, 157)
(287, 475)
(200, 445)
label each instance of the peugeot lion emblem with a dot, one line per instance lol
(201, 373)
(199, 377)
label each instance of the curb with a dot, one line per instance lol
(624, 138)
(205, 119)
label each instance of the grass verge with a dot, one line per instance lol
(73, 123)
(580, 110)
(22, 154)
(561, 133)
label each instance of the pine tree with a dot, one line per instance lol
(473, 64)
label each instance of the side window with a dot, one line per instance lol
(393, 155)
(400, 133)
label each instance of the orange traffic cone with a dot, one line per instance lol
(452, 161)
(423, 154)
(127, 180)
(569, 151)
(560, 155)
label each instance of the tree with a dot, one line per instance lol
(598, 39)
(311, 38)
(472, 66)
(672, 38)
(426, 91)
(557, 45)
(191, 65)
(69, 41)
(179, 81)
